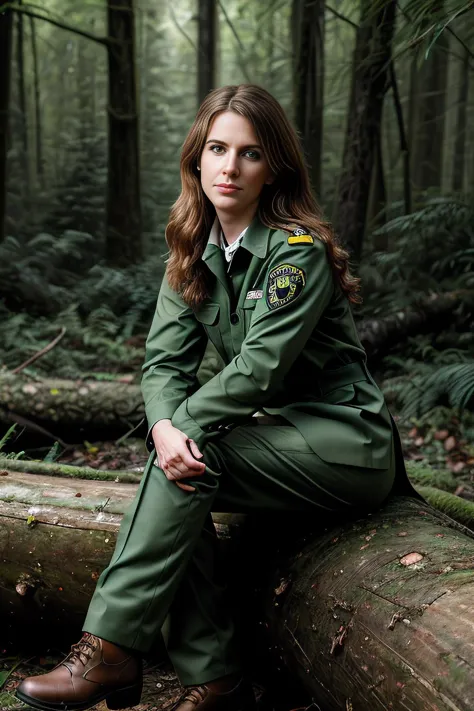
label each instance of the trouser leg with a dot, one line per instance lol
(261, 468)
(156, 541)
(201, 642)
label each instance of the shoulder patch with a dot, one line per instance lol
(299, 236)
(285, 283)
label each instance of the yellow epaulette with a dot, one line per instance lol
(299, 236)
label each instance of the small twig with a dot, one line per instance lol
(40, 353)
(342, 17)
(122, 439)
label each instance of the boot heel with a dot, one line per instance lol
(130, 696)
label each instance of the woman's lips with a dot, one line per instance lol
(227, 189)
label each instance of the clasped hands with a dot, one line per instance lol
(176, 454)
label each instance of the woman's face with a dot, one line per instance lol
(233, 166)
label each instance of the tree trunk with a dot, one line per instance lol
(6, 28)
(460, 132)
(123, 228)
(23, 106)
(369, 83)
(308, 70)
(207, 26)
(376, 210)
(38, 132)
(428, 145)
(369, 614)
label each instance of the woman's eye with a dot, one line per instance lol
(252, 154)
(217, 149)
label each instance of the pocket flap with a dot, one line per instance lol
(250, 303)
(208, 314)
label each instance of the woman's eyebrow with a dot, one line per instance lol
(223, 143)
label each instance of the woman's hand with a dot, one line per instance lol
(176, 454)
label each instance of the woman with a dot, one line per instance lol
(254, 269)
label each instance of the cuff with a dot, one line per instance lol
(187, 424)
(156, 411)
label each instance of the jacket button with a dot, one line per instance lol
(234, 319)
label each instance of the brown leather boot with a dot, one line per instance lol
(93, 670)
(226, 694)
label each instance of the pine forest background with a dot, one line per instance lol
(95, 101)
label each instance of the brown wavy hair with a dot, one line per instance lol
(285, 204)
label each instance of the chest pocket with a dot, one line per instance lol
(248, 310)
(209, 315)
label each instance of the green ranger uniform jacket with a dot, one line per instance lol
(286, 334)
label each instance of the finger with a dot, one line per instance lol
(185, 487)
(172, 473)
(194, 449)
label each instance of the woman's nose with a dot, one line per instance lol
(231, 166)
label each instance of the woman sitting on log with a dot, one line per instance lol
(293, 422)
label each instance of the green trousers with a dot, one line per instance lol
(165, 556)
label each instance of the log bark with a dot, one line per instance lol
(372, 614)
(57, 533)
(378, 614)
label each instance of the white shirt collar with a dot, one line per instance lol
(216, 237)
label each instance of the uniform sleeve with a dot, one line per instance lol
(174, 349)
(298, 286)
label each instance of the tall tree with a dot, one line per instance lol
(307, 24)
(6, 25)
(22, 103)
(123, 229)
(461, 124)
(428, 145)
(371, 63)
(38, 131)
(207, 28)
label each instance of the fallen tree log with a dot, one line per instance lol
(379, 614)
(375, 614)
(59, 404)
(432, 315)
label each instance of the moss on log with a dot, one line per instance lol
(457, 508)
(67, 471)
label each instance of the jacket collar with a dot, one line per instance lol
(255, 240)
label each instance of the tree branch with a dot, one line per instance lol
(41, 352)
(183, 32)
(342, 17)
(105, 41)
(239, 42)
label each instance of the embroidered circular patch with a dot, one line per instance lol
(285, 283)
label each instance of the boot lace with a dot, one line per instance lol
(195, 694)
(83, 650)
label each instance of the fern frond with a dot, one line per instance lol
(451, 383)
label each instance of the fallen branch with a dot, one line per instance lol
(40, 353)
